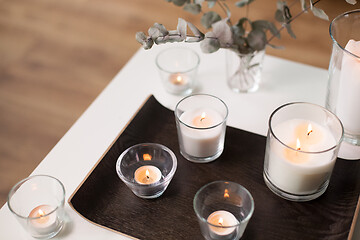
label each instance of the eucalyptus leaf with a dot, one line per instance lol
(319, 13)
(181, 28)
(238, 31)
(146, 42)
(353, 2)
(228, 12)
(243, 3)
(241, 25)
(179, 2)
(209, 18)
(211, 3)
(303, 5)
(199, 36)
(210, 43)
(223, 32)
(265, 25)
(279, 16)
(257, 39)
(157, 30)
(193, 8)
(290, 31)
(275, 47)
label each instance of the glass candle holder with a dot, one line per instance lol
(37, 202)
(344, 72)
(178, 69)
(223, 210)
(147, 169)
(201, 125)
(302, 146)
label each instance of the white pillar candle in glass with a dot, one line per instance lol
(348, 109)
(201, 125)
(201, 143)
(302, 146)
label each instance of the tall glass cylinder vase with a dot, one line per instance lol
(244, 70)
(343, 96)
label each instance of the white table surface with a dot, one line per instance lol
(83, 145)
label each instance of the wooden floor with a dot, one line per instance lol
(57, 56)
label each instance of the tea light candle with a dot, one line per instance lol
(347, 108)
(224, 220)
(199, 139)
(147, 174)
(41, 222)
(293, 169)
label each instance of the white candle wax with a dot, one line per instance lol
(225, 220)
(347, 108)
(147, 175)
(295, 171)
(201, 142)
(42, 223)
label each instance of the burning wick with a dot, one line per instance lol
(178, 79)
(41, 213)
(298, 146)
(147, 173)
(309, 129)
(221, 221)
(203, 115)
(226, 194)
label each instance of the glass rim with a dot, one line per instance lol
(18, 184)
(166, 179)
(331, 32)
(177, 48)
(200, 128)
(249, 215)
(301, 151)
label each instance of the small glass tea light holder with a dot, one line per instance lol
(147, 169)
(201, 126)
(37, 202)
(223, 210)
(302, 147)
(178, 70)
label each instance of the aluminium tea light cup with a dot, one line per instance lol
(178, 70)
(37, 202)
(223, 210)
(147, 169)
(302, 147)
(201, 125)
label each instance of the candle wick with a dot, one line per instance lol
(309, 132)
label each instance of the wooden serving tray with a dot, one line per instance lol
(103, 199)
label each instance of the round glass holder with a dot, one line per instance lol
(223, 210)
(301, 150)
(178, 70)
(147, 169)
(201, 125)
(344, 76)
(37, 202)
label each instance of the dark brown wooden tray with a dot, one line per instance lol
(102, 198)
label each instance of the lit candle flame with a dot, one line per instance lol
(298, 146)
(179, 79)
(203, 115)
(221, 221)
(147, 173)
(309, 129)
(226, 194)
(147, 157)
(41, 213)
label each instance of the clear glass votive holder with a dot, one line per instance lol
(201, 126)
(178, 69)
(37, 202)
(344, 74)
(223, 210)
(147, 169)
(301, 150)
